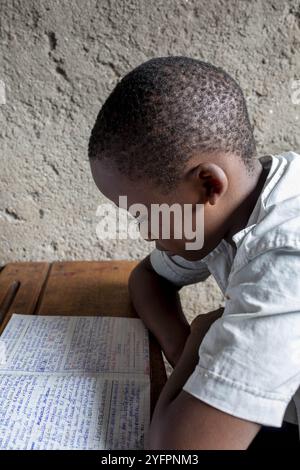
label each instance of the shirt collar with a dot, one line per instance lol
(273, 163)
(267, 161)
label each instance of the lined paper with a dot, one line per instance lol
(74, 383)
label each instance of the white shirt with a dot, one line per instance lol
(249, 361)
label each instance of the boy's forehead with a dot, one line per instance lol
(113, 184)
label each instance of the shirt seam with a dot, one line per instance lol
(245, 388)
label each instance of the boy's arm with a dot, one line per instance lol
(157, 303)
(181, 421)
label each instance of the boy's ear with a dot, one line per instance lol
(212, 181)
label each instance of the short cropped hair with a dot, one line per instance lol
(163, 112)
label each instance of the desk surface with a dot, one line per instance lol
(75, 288)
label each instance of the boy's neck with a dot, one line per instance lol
(243, 212)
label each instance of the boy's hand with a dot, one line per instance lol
(202, 322)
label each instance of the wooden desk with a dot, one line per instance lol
(75, 288)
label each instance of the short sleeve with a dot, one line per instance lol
(178, 270)
(249, 360)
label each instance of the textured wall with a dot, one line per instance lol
(60, 59)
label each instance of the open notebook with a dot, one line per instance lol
(74, 383)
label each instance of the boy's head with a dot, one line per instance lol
(176, 130)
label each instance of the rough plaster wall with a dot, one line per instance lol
(59, 61)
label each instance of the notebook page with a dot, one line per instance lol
(74, 383)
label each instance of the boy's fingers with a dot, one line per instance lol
(206, 319)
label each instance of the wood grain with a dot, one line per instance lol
(88, 288)
(31, 278)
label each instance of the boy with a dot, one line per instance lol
(176, 130)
